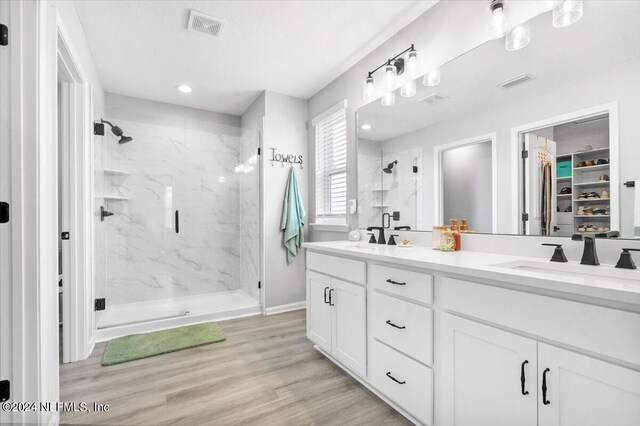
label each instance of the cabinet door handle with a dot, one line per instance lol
(331, 298)
(545, 401)
(394, 379)
(325, 295)
(523, 379)
(177, 222)
(390, 281)
(395, 325)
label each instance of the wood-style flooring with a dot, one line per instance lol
(265, 373)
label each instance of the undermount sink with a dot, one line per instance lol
(575, 270)
(360, 247)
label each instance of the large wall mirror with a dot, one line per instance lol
(537, 141)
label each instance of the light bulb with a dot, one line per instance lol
(499, 27)
(367, 89)
(518, 38)
(184, 88)
(432, 78)
(408, 89)
(569, 12)
(390, 76)
(412, 64)
(389, 99)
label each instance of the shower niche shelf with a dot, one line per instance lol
(113, 172)
(112, 197)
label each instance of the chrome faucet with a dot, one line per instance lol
(589, 255)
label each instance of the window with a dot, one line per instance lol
(331, 163)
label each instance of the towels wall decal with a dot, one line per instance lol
(277, 157)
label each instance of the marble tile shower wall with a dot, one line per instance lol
(404, 186)
(173, 165)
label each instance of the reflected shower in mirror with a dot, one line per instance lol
(536, 141)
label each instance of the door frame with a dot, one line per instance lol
(77, 285)
(517, 166)
(438, 150)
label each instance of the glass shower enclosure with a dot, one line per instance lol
(183, 243)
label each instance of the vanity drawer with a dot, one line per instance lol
(409, 284)
(414, 392)
(402, 325)
(339, 267)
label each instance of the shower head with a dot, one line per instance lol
(389, 168)
(117, 131)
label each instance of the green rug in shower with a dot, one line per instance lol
(138, 346)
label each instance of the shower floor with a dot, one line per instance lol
(141, 317)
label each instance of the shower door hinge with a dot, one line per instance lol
(259, 151)
(525, 217)
(4, 212)
(415, 169)
(100, 304)
(4, 35)
(525, 154)
(259, 284)
(5, 390)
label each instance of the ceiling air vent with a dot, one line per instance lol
(515, 80)
(205, 24)
(434, 99)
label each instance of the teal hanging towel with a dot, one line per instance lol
(292, 221)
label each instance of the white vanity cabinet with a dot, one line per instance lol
(445, 349)
(336, 313)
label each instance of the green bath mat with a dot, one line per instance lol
(138, 346)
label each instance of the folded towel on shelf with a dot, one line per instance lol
(292, 221)
(636, 210)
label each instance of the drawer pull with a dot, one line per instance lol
(545, 401)
(390, 281)
(523, 379)
(325, 295)
(394, 379)
(396, 326)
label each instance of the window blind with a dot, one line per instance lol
(331, 165)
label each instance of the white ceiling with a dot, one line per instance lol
(142, 48)
(604, 37)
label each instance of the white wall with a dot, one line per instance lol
(444, 32)
(286, 130)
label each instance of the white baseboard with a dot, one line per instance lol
(286, 308)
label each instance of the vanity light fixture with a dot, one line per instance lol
(569, 12)
(184, 88)
(432, 78)
(389, 98)
(499, 27)
(393, 68)
(408, 89)
(518, 38)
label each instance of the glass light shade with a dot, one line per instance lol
(499, 27)
(389, 98)
(518, 38)
(390, 73)
(367, 89)
(550, 4)
(432, 78)
(408, 89)
(412, 64)
(569, 12)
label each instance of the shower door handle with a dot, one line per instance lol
(177, 222)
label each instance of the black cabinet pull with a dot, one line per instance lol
(394, 379)
(396, 326)
(545, 401)
(330, 298)
(523, 379)
(177, 224)
(390, 281)
(325, 295)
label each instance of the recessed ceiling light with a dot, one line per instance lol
(184, 88)
(366, 126)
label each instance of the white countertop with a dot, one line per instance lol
(612, 284)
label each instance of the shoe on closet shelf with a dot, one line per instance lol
(602, 161)
(566, 190)
(604, 194)
(581, 164)
(590, 163)
(583, 196)
(604, 178)
(593, 195)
